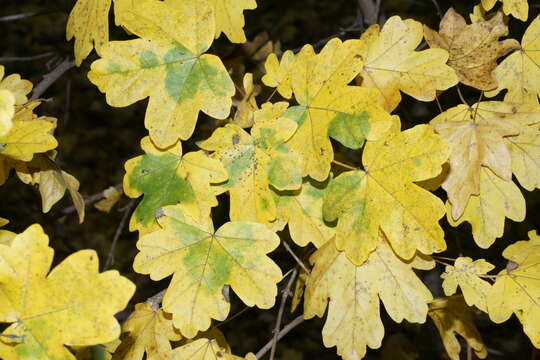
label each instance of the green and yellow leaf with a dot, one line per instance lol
(254, 162)
(384, 197)
(169, 177)
(71, 305)
(203, 261)
(168, 65)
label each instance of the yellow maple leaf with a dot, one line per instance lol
(256, 161)
(465, 273)
(384, 197)
(168, 65)
(148, 331)
(27, 137)
(230, 19)
(6, 236)
(202, 261)
(246, 104)
(452, 317)
(88, 22)
(7, 110)
(73, 304)
(486, 212)
(17, 86)
(328, 107)
(517, 288)
(477, 135)
(520, 71)
(53, 182)
(302, 210)
(278, 73)
(391, 64)
(525, 152)
(203, 349)
(168, 177)
(473, 49)
(517, 8)
(353, 321)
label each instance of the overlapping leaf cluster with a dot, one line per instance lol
(373, 225)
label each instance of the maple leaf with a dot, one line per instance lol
(203, 261)
(203, 349)
(517, 8)
(390, 63)
(27, 137)
(486, 212)
(477, 136)
(88, 22)
(278, 73)
(230, 19)
(353, 321)
(465, 273)
(7, 110)
(256, 161)
(17, 86)
(525, 153)
(384, 197)
(302, 210)
(329, 107)
(168, 65)
(53, 182)
(517, 289)
(71, 305)
(149, 331)
(168, 177)
(520, 71)
(473, 49)
(452, 317)
(246, 105)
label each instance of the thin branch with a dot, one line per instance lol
(22, 16)
(285, 294)
(346, 166)
(119, 230)
(461, 96)
(27, 58)
(296, 258)
(51, 77)
(436, 4)
(297, 321)
(89, 200)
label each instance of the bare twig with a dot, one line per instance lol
(285, 294)
(89, 200)
(439, 11)
(286, 329)
(155, 301)
(23, 15)
(119, 229)
(51, 77)
(370, 9)
(296, 258)
(27, 58)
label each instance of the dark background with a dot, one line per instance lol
(95, 141)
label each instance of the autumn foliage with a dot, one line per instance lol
(372, 218)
